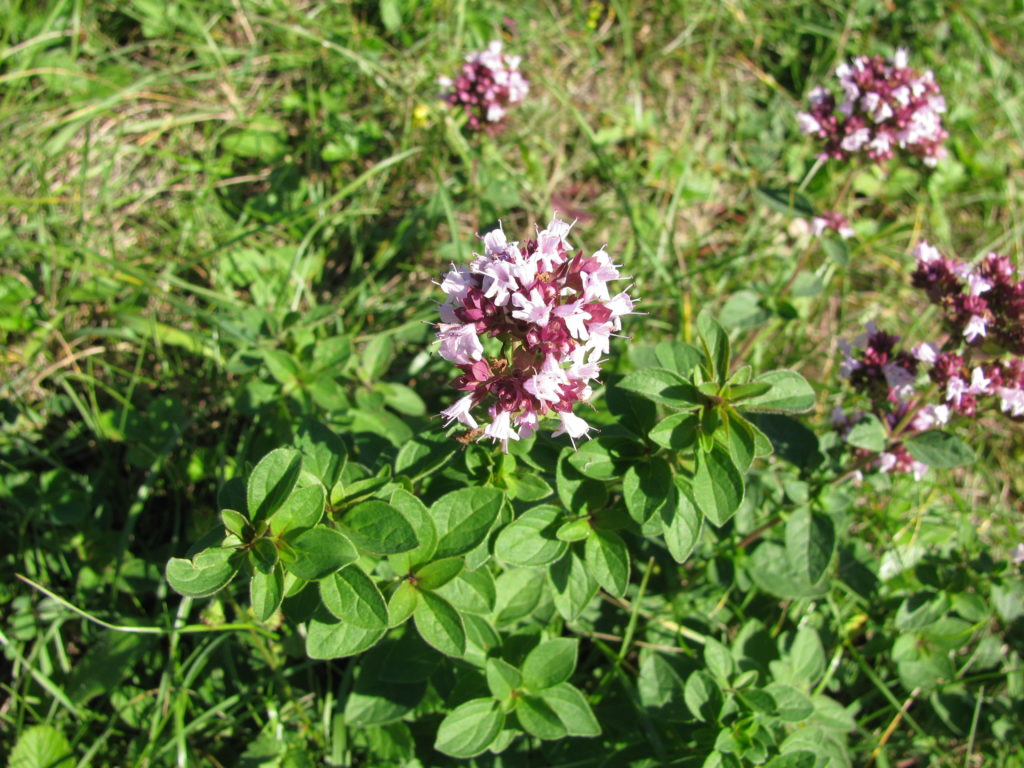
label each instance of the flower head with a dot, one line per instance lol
(488, 84)
(886, 106)
(553, 315)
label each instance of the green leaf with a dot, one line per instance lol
(470, 728)
(715, 342)
(800, 759)
(792, 705)
(771, 571)
(463, 519)
(718, 660)
(41, 746)
(789, 392)
(236, 523)
(530, 539)
(869, 434)
(352, 596)
(402, 603)
(472, 591)
(302, 509)
(376, 358)
(790, 439)
(318, 552)
(740, 439)
(439, 624)
(528, 486)
(111, 657)
(418, 516)
(810, 543)
(717, 485)
(807, 656)
(538, 718)
(703, 696)
(323, 452)
(608, 560)
(939, 449)
(518, 592)
(677, 431)
(631, 411)
(401, 398)
(263, 555)
(331, 638)
(550, 663)
(682, 524)
(744, 309)
(662, 386)
(282, 366)
(571, 706)
(601, 457)
(678, 356)
(836, 250)
(572, 584)
(578, 493)
(377, 527)
(266, 590)
(206, 573)
(262, 145)
(502, 678)
(391, 18)
(574, 530)
(787, 201)
(423, 455)
(271, 482)
(646, 488)
(438, 573)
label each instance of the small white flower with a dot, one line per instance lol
(459, 411)
(572, 425)
(976, 284)
(886, 461)
(955, 390)
(854, 141)
(807, 123)
(926, 253)
(975, 327)
(924, 352)
(532, 309)
(979, 384)
(459, 343)
(1011, 400)
(501, 429)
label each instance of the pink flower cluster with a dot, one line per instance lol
(890, 378)
(831, 220)
(488, 84)
(553, 315)
(886, 106)
(985, 302)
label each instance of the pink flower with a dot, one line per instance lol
(534, 308)
(488, 84)
(572, 425)
(500, 429)
(460, 412)
(887, 106)
(551, 313)
(460, 344)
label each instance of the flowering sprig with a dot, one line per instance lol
(553, 315)
(834, 221)
(488, 84)
(886, 106)
(985, 302)
(916, 390)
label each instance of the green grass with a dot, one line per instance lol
(198, 193)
